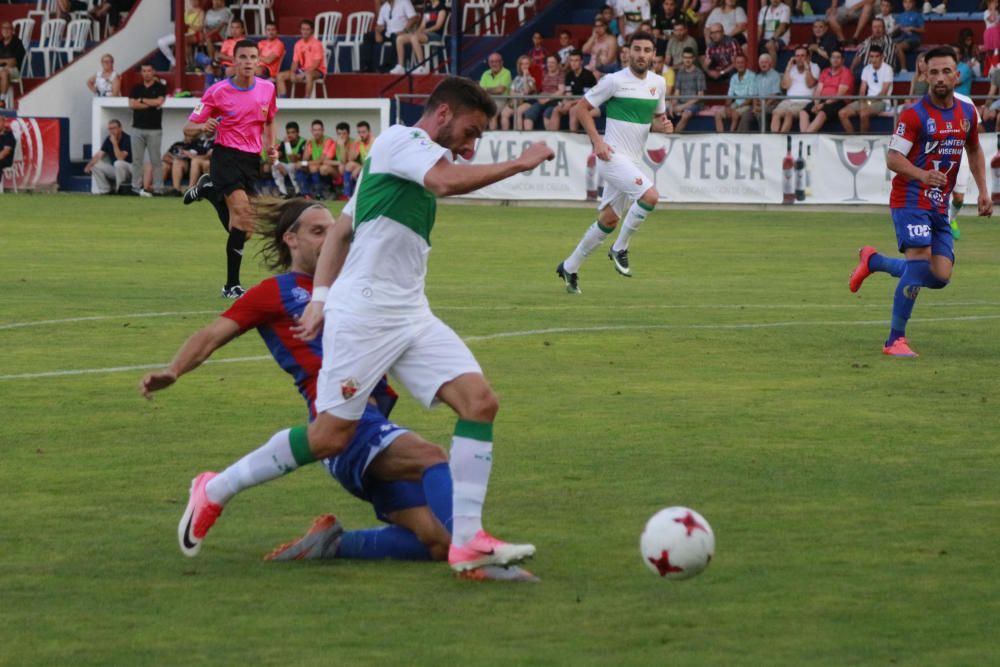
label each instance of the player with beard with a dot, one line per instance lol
(379, 321)
(926, 154)
(635, 100)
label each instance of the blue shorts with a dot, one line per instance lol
(373, 436)
(920, 228)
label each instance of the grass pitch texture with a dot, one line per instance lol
(854, 497)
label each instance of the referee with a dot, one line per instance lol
(240, 110)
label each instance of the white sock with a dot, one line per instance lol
(592, 239)
(953, 211)
(471, 462)
(268, 462)
(633, 220)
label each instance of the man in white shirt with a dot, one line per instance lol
(630, 14)
(394, 18)
(847, 11)
(800, 81)
(774, 20)
(876, 82)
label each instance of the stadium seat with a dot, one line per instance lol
(520, 6)
(50, 42)
(327, 28)
(259, 9)
(479, 10)
(76, 40)
(25, 28)
(358, 24)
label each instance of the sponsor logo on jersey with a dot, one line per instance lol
(348, 388)
(638, 181)
(929, 146)
(198, 109)
(300, 295)
(964, 125)
(652, 91)
(901, 129)
(931, 126)
(947, 125)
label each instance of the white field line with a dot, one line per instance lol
(97, 318)
(536, 332)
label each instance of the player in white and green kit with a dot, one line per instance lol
(377, 318)
(635, 100)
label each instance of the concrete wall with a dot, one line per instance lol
(65, 94)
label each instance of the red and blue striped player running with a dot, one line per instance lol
(925, 153)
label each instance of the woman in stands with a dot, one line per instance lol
(431, 28)
(106, 83)
(523, 84)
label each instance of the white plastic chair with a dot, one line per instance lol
(358, 24)
(8, 174)
(521, 6)
(75, 42)
(43, 10)
(478, 9)
(259, 10)
(24, 29)
(50, 42)
(437, 50)
(327, 28)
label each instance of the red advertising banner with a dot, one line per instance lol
(36, 157)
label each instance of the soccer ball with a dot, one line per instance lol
(677, 543)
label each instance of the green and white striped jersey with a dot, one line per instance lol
(632, 103)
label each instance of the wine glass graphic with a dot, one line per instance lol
(655, 158)
(854, 158)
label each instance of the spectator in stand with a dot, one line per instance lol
(359, 151)
(395, 18)
(765, 92)
(834, 81)
(566, 48)
(537, 52)
(66, 7)
(876, 82)
(800, 81)
(608, 13)
(885, 13)
(11, 56)
(665, 16)
(857, 11)
(225, 57)
(919, 84)
(194, 23)
(308, 61)
(668, 74)
(617, 66)
(703, 9)
(523, 84)
(822, 44)
(739, 102)
(317, 161)
(553, 80)
(146, 101)
(679, 42)
(719, 60)
(601, 46)
(577, 82)
(111, 167)
(430, 27)
(733, 19)
(8, 144)
(967, 43)
(774, 20)
(115, 10)
(344, 169)
(991, 17)
(188, 157)
(690, 84)
(966, 72)
(106, 82)
(941, 8)
(216, 19)
(877, 38)
(990, 108)
(496, 80)
(630, 14)
(290, 158)
(272, 52)
(909, 31)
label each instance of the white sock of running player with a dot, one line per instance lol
(471, 462)
(279, 180)
(954, 210)
(592, 239)
(282, 454)
(633, 220)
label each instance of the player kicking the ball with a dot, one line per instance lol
(926, 153)
(404, 477)
(635, 99)
(378, 319)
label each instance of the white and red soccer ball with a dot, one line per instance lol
(677, 543)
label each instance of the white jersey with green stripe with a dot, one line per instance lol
(632, 103)
(393, 216)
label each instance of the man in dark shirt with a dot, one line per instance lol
(146, 101)
(7, 144)
(822, 44)
(11, 56)
(577, 82)
(111, 167)
(665, 17)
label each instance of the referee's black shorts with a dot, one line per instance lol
(233, 170)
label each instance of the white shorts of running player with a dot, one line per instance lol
(422, 355)
(624, 182)
(964, 174)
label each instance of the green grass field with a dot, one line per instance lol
(854, 497)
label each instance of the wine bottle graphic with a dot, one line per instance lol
(591, 176)
(809, 170)
(800, 176)
(995, 165)
(788, 174)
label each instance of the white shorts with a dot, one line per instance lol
(964, 173)
(422, 355)
(624, 183)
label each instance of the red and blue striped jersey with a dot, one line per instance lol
(931, 138)
(272, 308)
